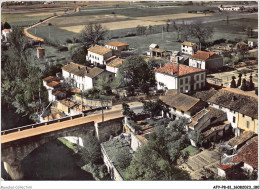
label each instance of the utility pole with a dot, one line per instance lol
(102, 109)
(162, 33)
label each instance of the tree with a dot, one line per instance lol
(239, 79)
(140, 30)
(156, 63)
(197, 137)
(7, 25)
(233, 82)
(251, 84)
(199, 31)
(91, 152)
(152, 108)
(137, 73)
(122, 157)
(156, 160)
(78, 54)
(127, 111)
(21, 77)
(243, 87)
(104, 86)
(92, 34)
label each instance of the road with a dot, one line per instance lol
(115, 112)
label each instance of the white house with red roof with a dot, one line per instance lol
(180, 77)
(206, 60)
(117, 47)
(189, 48)
(6, 34)
(98, 55)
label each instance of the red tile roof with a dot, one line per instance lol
(116, 44)
(202, 55)
(50, 78)
(248, 154)
(53, 84)
(174, 69)
(224, 167)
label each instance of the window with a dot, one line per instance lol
(186, 87)
(110, 76)
(198, 77)
(186, 80)
(174, 109)
(199, 65)
(197, 86)
(243, 115)
(220, 107)
(181, 89)
(182, 112)
(202, 77)
(234, 119)
(247, 124)
(181, 81)
(202, 84)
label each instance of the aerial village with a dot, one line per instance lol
(189, 110)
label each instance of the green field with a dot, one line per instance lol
(22, 19)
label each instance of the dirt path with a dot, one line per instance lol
(39, 23)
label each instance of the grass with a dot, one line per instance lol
(68, 144)
(22, 19)
(192, 150)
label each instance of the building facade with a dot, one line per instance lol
(180, 77)
(206, 60)
(98, 55)
(189, 48)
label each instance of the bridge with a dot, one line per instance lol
(19, 142)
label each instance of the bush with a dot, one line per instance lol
(69, 41)
(63, 48)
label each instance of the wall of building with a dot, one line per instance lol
(105, 74)
(197, 63)
(135, 142)
(115, 175)
(165, 81)
(94, 103)
(215, 63)
(190, 50)
(112, 127)
(202, 122)
(247, 123)
(112, 69)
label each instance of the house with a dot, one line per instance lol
(221, 48)
(121, 143)
(117, 47)
(113, 65)
(243, 163)
(6, 34)
(98, 55)
(229, 8)
(242, 110)
(252, 42)
(51, 83)
(189, 48)
(83, 77)
(180, 77)
(182, 105)
(206, 60)
(40, 52)
(57, 95)
(152, 46)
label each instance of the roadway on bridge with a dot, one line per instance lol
(115, 112)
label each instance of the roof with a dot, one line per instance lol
(177, 69)
(188, 44)
(154, 46)
(240, 103)
(49, 78)
(181, 101)
(248, 153)
(53, 84)
(81, 70)
(202, 55)
(240, 140)
(57, 92)
(115, 62)
(6, 30)
(197, 116)
(116, 44)
(215, 129)
(40, 48)
(158, 50)
(224, 167)
(100, 50)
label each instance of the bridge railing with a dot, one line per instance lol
(22, 128)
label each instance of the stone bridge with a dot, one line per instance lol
(18, 143)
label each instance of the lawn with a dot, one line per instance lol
(68, 144)
(192, 150)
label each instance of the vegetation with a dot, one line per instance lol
(196, 136)
(21, 77)
(190, 150)
(92, 34)
(153, 108)
(127, 111)
(78, 53)
(129, 74)
(157, 159)
(104, 86)
(68, 144)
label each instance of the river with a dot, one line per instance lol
(52, 161)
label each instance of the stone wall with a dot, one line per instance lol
(107, 128)
(93, 103)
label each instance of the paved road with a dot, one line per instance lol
(111, 114)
